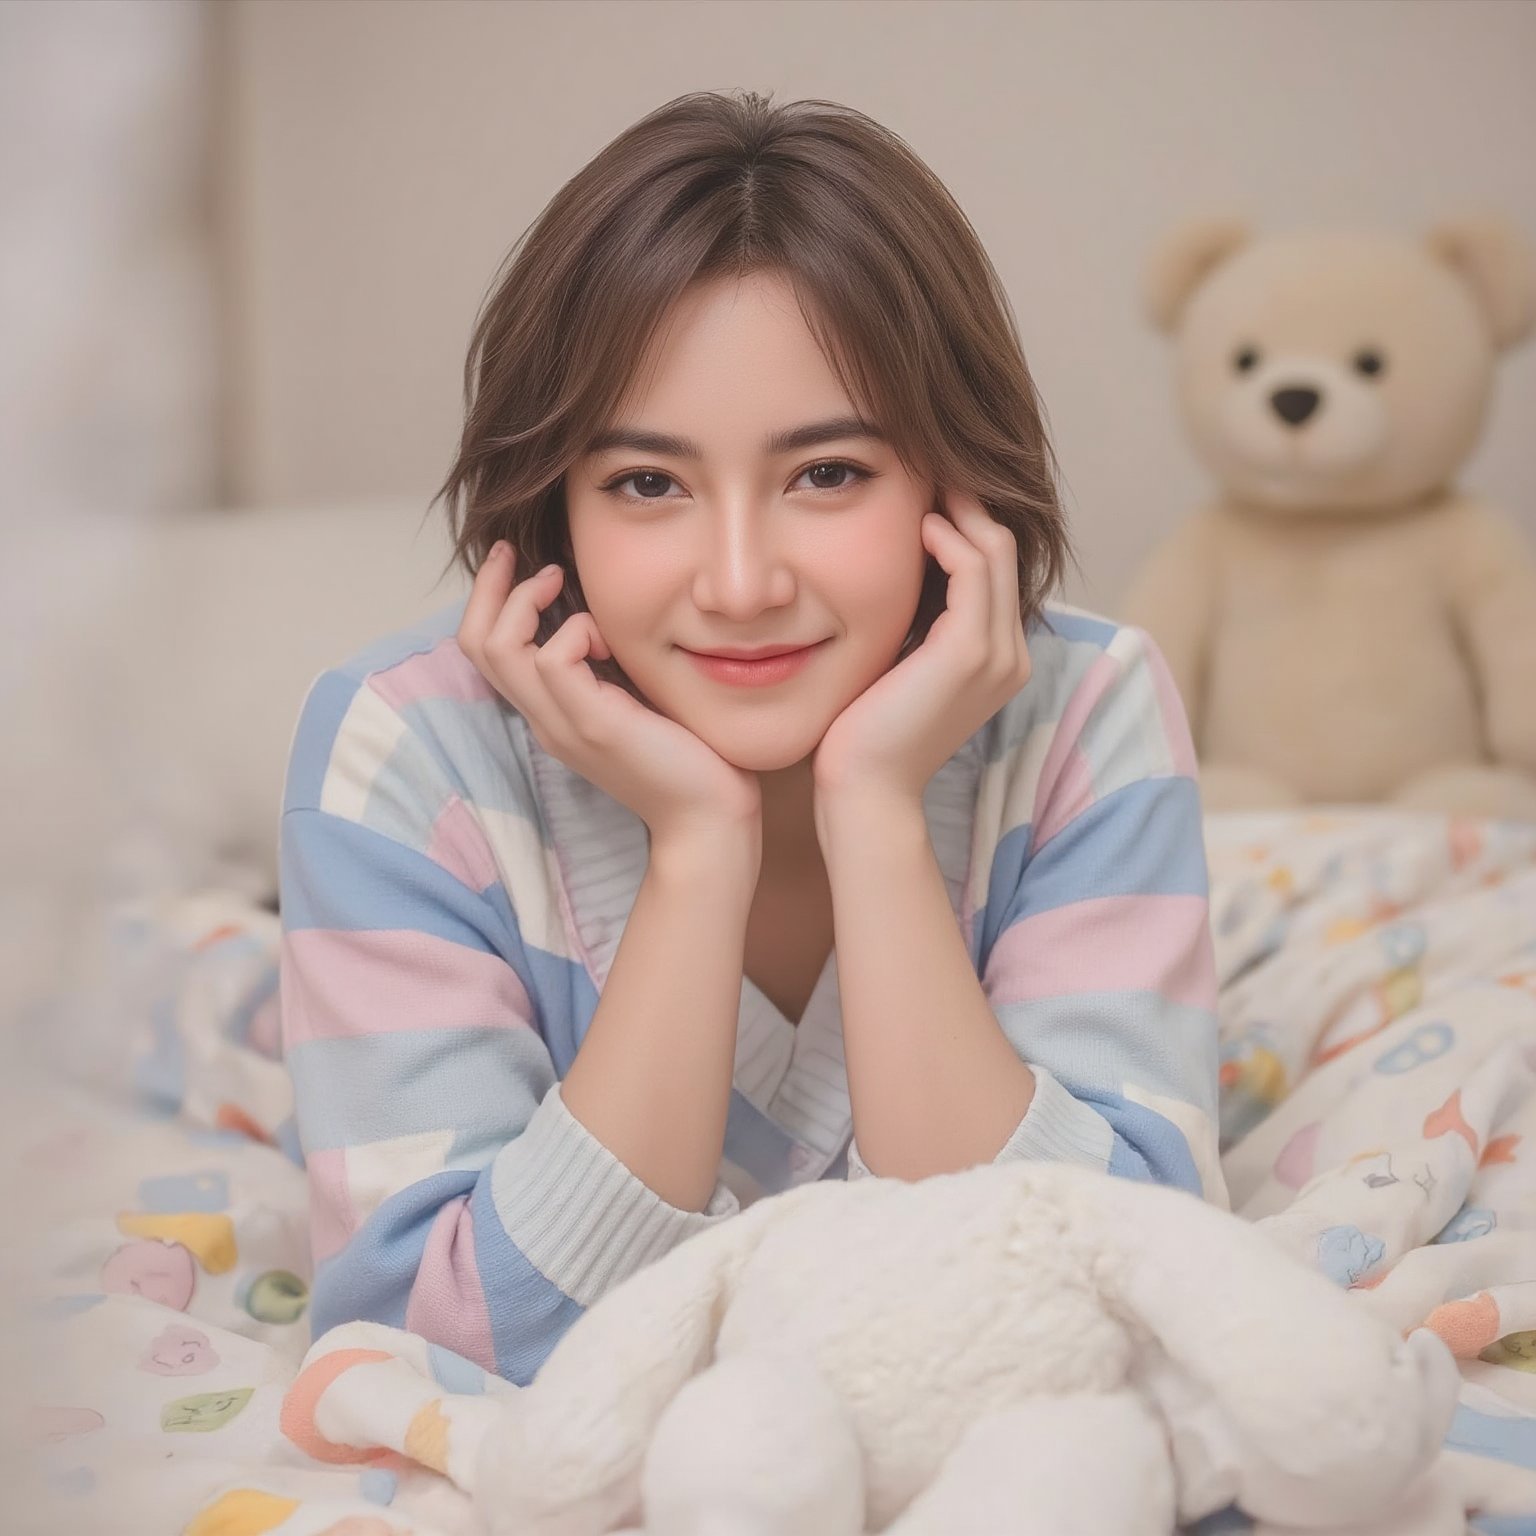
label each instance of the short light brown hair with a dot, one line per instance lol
(890, 276)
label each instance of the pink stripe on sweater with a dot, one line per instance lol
(447, 1302)
(444, 672)
(1073, 794)
(1108, 944)
(459, 844)
(1060, 790)
(345, 984)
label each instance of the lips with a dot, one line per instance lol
(759, 655)
(765, 672)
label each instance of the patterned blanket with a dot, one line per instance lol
(1378, 1110)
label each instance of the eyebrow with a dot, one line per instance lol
(836, 429)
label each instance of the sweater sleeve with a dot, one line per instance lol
(1096, 946)
(451, 1191)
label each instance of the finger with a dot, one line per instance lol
(968, 602)
(516, 624)
(1003, 561)
(997, 543)
(576, 689)
(512, 657)
(487, 596)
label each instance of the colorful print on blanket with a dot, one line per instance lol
(1378, 986)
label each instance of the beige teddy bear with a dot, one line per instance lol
(1344, 624)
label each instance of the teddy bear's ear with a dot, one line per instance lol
(1496, 259)
(1180, 261)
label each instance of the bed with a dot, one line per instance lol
(159, 1251)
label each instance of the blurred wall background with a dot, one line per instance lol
(111, 374)
(379, 160)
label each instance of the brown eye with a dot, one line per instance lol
(1246, 360)
(1369, 361)
(651, 476)
(856, 476)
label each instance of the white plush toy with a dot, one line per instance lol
(1020, 1349)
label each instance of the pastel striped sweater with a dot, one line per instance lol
(452, 898)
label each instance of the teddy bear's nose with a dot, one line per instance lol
(1294, 405)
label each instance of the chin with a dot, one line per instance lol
(762, 749)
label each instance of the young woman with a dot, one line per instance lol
(590, 940)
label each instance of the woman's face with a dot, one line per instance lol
(735, 543)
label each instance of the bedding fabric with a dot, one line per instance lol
(1378, 1117)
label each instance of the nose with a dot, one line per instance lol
(1293, 406)
(742, 566)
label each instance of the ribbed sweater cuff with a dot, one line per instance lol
(1056, 1128)
(578, 1214)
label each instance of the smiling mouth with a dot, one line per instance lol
(763, 670)
(771, 654)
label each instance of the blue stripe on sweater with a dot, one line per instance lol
(314, 737)
(1143, 840)
(1147, 1147)
(1105, 1039)
(372, 1276)
(529, 1313)
(337, 874)
(480, 1082)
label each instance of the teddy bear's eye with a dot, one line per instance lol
(1369, 361)
(1246, 359)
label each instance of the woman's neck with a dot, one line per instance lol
(790, 845)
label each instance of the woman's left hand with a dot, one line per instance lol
(892, 739)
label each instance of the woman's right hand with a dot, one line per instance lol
(659, 769)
